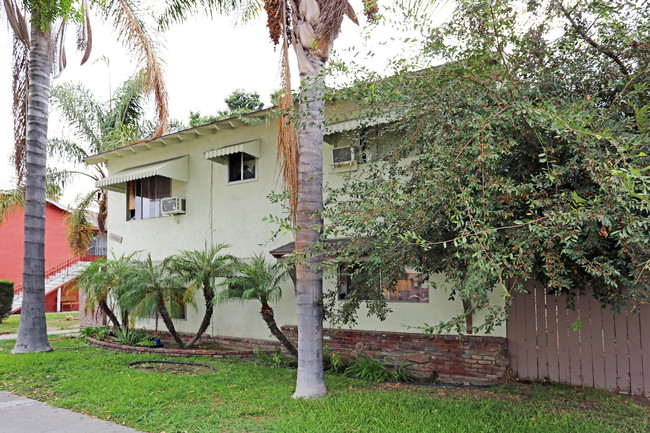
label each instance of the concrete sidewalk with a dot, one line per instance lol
(73, 332)
(23, 415)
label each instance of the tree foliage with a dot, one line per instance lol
(239, 103)
(520, 151)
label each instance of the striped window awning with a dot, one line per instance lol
(173, 168)
(219, 155)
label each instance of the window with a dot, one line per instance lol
(241, 166)
(414, 287)
(144, 195)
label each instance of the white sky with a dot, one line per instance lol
(205, 60)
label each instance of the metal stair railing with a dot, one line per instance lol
(65, 265)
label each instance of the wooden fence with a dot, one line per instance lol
(588, 346)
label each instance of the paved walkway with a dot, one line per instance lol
(60, 332)
(23, 415)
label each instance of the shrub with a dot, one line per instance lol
(373, 369)
(275, 358)
(96, 332)
(6, 298)
(131, 337)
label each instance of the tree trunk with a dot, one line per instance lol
(269, 318)
(109, 313)
(309, 272)
(168, 321)
(207, 317)
(32, 331)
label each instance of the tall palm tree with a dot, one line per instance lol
(98, 127)
(260, 280)
(147, 287)
(199, 270)
(38, 46)
(310, 27)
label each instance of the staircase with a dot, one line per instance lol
(55, 278)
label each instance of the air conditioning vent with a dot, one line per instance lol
(342, 155)
(172, 206)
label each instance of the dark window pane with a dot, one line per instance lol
(234, 167)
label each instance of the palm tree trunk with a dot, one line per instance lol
(32, 331)
(207, 317)
(109, 313)
(269, 318)
(168, 321)
(309, 273)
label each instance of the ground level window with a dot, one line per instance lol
(144, 195)
(413, 287)
(241, 166)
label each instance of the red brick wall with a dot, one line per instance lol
(448, 357)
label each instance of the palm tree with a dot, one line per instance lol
(147, 287)
(100, 282)
(200, 270)
(98, 127)
(37, 47)
(310, 26)
(260, 280)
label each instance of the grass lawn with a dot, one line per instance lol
(245, 397)
(55, 321)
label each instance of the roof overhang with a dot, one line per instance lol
(177, 169)
(253, 148)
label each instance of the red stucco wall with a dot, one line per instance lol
(12, 242)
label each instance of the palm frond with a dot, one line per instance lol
(79, 230)
(79, 107)
(67, 149)
(10, 200)
(178, 11)
(134, 36)
(20, 86)
(287, 155)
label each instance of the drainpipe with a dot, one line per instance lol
(58, 300)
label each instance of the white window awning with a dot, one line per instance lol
(219, 155)
(173, 168)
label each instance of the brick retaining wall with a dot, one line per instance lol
(240, 354)
(447, 357)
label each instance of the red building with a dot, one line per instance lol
(58, 256)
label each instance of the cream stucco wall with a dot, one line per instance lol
(232, 213)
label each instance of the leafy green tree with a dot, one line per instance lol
(260, 280)
(504, 162)
(200, 271)
(239, 103)
(147, 287)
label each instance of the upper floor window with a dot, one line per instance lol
(241, 166)
(144, 195)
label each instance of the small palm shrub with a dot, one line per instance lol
(6, 298)
(333, 361)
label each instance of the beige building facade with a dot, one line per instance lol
(222, 174)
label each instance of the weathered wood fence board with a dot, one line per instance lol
(589, 346)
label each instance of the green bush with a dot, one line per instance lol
(6, 298)
(369, 368)
(96, 332)
(132, 337)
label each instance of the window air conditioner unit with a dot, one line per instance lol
(342, 155)
(172, 206)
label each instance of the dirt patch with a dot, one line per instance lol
(172, 367)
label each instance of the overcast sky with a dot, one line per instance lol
(205, 60)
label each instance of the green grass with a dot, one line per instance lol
(245, 397)
(55, 322)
